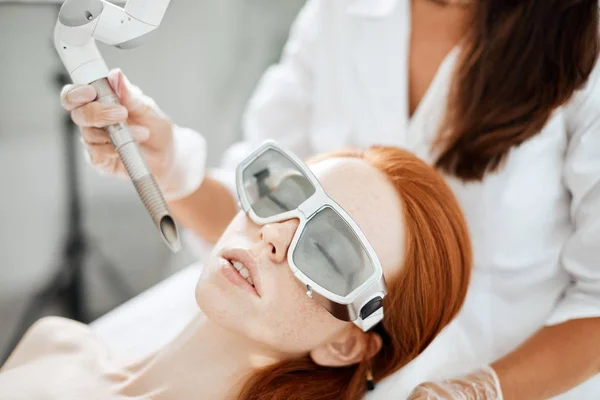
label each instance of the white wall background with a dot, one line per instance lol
(200, 67)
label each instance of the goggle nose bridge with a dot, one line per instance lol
(310, 206)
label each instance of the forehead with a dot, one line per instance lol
(371, 200)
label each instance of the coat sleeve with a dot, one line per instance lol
(280, 106)
(581, 173)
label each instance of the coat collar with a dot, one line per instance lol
(380, 60)
(371, 8)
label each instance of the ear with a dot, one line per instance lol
(350, 347)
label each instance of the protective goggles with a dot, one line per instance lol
(329, 253)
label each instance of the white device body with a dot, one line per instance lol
(82, 22)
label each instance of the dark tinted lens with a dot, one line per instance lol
(275, 185)
(330, 253)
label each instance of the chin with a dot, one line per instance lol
(208, 295)
(220, 302)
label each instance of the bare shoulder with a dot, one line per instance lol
(52, 336)
(58, 333)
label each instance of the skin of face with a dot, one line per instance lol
(283, 319)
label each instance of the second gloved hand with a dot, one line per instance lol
(176, 156)
(482, 384)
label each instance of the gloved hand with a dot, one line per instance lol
(482, 384)
(176, 156)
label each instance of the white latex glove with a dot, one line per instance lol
(482, 384)
(176, 156)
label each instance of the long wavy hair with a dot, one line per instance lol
(521, 60)
(424, 297)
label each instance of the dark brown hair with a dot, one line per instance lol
(521, 60)
(424, 297)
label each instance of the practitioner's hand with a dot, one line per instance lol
(479, 385)
(156, 135)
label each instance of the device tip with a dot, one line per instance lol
(169, 232)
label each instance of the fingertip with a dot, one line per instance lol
(80, 94)
(115, 78)
(63, 95)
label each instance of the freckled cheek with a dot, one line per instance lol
(292, 300)
(318, 324)
(294, 320)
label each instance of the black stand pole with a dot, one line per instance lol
(72, 285)
(68, 284)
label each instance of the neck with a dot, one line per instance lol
(205, 361)
(439, 24)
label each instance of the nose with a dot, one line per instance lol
(278, 237)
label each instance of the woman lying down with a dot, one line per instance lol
(297, 301)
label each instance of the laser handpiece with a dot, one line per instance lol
(80, 23)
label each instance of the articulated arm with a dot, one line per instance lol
(127, 28)
(150, 12)
(82, 21)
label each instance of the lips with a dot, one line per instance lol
(245, 265)
(242, 270)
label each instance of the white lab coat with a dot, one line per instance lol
(535, 224)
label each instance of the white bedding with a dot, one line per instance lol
(154, 317)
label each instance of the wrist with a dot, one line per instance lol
(188, 165)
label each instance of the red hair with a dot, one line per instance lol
(427, 294)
